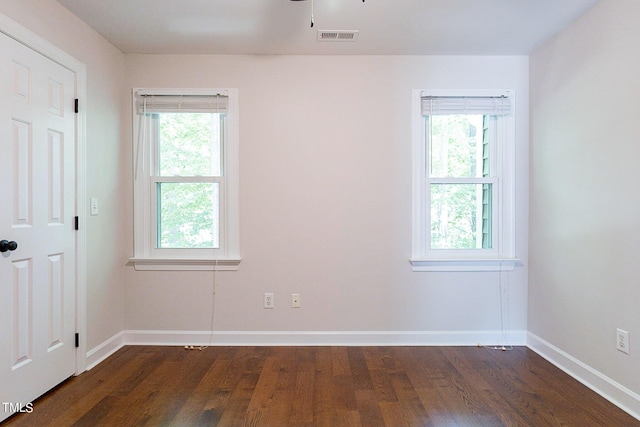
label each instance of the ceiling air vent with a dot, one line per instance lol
(338, 36)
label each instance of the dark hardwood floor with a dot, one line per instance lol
(323, 386)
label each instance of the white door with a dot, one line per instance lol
(37, 211)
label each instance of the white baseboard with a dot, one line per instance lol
(320, 338)
(104, 350)
(616, 393)
(301, 338)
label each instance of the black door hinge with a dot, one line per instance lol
(77, 340)
(77, 105)
(77, 224)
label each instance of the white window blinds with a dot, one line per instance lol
(485, 105)
(147, 103)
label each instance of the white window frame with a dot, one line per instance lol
(146, 255)
(501, 257)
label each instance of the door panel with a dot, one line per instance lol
(37, 196)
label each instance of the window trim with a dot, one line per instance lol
(146, 255)
(502, 257)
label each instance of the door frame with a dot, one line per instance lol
(23, 35)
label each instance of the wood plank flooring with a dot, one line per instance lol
(323, 386)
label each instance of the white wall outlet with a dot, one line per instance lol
(295, 300)
(622, 341)
(268, 300)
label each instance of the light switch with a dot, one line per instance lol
(94, 206)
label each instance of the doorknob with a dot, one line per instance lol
(6, 245)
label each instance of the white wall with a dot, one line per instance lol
(325, 200)
(105, 257)
(584, 278)
(325, 192)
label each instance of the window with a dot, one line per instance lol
(185, 179)
(463, 197)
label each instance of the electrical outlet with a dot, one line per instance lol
(268, 300)
(622, 341)
(295, 300)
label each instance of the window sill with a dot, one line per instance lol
(507, 264)
(178, 264)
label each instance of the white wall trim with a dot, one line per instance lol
(37, 43)
(98, 354)
(616, 393)
(42, 46)
(300, 338)
(323, 338)
(502, 255)
(146, 255)
(500, 264)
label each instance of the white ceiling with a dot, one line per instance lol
(394, 27)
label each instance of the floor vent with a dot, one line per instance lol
(338, 36)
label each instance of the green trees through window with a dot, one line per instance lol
(189, 172)
(459, 163)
